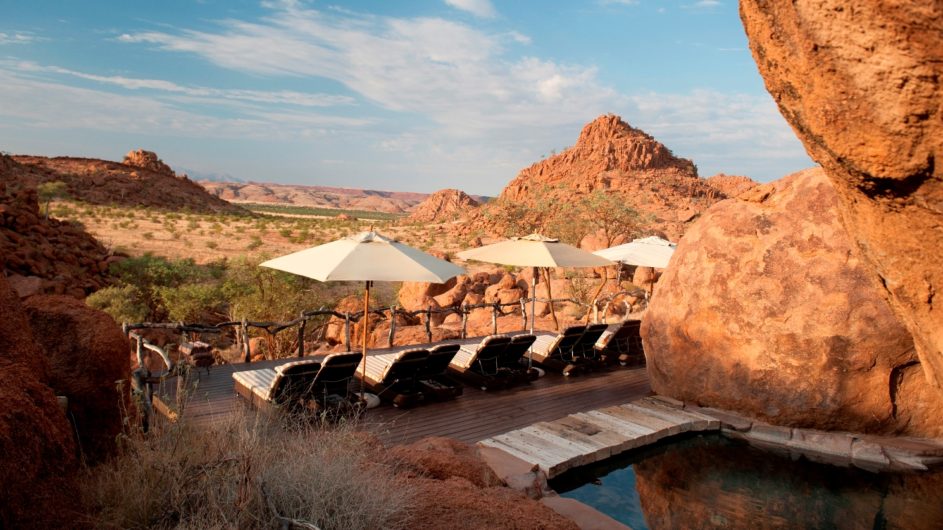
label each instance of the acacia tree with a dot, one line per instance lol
(50, 191)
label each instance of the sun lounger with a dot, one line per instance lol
(585, 349)
(300, 384)
(511, 364)
(433, 376)
(395, 376)
(478, 364)
(556, 352)
(623, 345)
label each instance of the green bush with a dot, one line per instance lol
(123, 303)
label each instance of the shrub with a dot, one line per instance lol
(124, 303)
(249, 472)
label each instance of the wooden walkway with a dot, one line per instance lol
(586, 437)
(474, 416)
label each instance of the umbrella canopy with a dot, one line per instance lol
(367, 256)
(646, 252)
(535, 251)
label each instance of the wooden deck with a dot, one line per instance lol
(472, 417)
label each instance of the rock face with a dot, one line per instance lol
(767, 309)
(87, 355)
(611, 155)
(861, 87)
(443, 205)
(35, 438)
(147, 160)
(146, 183)
(47, 255)
(731, 185)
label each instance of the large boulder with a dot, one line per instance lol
(87, 356)
(35, 437)
(768, 310)
(861, 86)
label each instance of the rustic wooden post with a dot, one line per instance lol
(464, 321)
(389, 340)
(301, 335)
(246, 352)
(494, 318)
(595, 311)
(429, 323)
(523, 314)
(347, 330)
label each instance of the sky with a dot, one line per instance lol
(395, 95)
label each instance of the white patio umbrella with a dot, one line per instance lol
(534, 251)
(366, 257)
(650, 251)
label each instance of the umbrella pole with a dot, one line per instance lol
(533, 312)
(366, 321)
(553, 313)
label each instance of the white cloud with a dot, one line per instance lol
(448, 72)
(17, 38)
(479, 8)
(703, 4)
(45, 104)
(287, 97)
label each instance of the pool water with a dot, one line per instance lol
(709, 481)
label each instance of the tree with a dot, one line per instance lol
(50, 191)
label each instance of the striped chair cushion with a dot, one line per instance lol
(377, 367)
(468, 353)
(261, 381)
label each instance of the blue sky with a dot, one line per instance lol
(411, 96)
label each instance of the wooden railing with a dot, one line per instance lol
(389, 313)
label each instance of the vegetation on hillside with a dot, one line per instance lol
(319, 212)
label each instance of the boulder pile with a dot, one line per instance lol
(42, 255)
(442, 206)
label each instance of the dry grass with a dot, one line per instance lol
(249, 472)
(207, 237)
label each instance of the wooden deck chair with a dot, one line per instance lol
(297, 384)
(624, 344)
(434, 378)
(511, 362)
(556, 352)
(395, 376)
(478, 364)
(585, 348)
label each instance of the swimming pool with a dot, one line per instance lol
(710, 481)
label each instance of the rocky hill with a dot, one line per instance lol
(40, 255)
(314, 196)
(142, 179)
(731, 185)
(611, 155)
(443, 205)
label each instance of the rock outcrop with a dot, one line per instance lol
(731, 185)
(611, 155)
(35, 437)
(47, 255)
(143, 181)
(767, 309)
(442, 206)
(87, 355)
(861, 86)
(147, 160)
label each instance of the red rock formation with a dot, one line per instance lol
(443, 205)
(456, 489)
(731, 185)
(47, 255)
(317, 196)
(87, 355)
(35, 438)
(611, 155)
(861, 86)
(104, 182)
(147, 160)
(767, 309)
